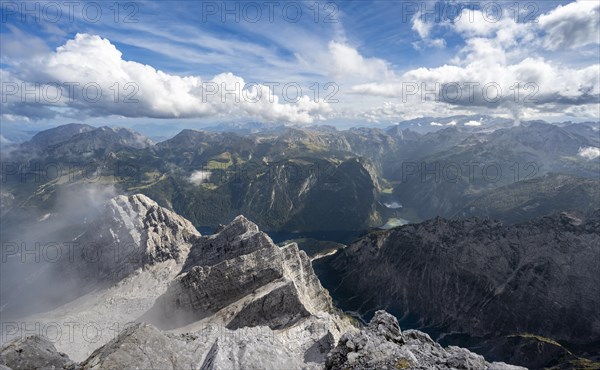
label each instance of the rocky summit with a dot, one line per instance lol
(231, 300)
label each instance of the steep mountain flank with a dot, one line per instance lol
(487, 279)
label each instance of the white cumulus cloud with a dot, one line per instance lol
(589, 152)
(573, 25)
(502, 66)
(348, 62)
(198, 177)
(423, 29)
(143, 91)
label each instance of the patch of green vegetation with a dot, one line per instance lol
(239, 161)
(150, 176)
(538, 337)
(314, 247)
(147, 185)
(575, 363)
(208, 186)
(387, 190)
(403, 364)
(218, 165)
(224, 157)
(312, 147)
(584, 364)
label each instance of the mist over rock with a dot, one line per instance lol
(237, 274)
(132, 232)
(129, 234)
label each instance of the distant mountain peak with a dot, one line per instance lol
(57, 135)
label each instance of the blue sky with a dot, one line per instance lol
(376, 62)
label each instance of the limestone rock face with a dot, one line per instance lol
(241, 267)
(279, 308)
(238, 238)
(144, 347)
(381, 345)
(486, 278)
(132, 232)
(140, 346)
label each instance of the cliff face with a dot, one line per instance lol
(486, 279)
(241, 275)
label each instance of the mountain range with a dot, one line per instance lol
(279, 176)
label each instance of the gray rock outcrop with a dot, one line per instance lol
(242, 268)
(33, 352)
(382, 345)
(487, 279)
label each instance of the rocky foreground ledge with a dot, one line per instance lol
(381, 345)
(232, 300)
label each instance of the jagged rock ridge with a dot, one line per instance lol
(240, 263)
(231, 300)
